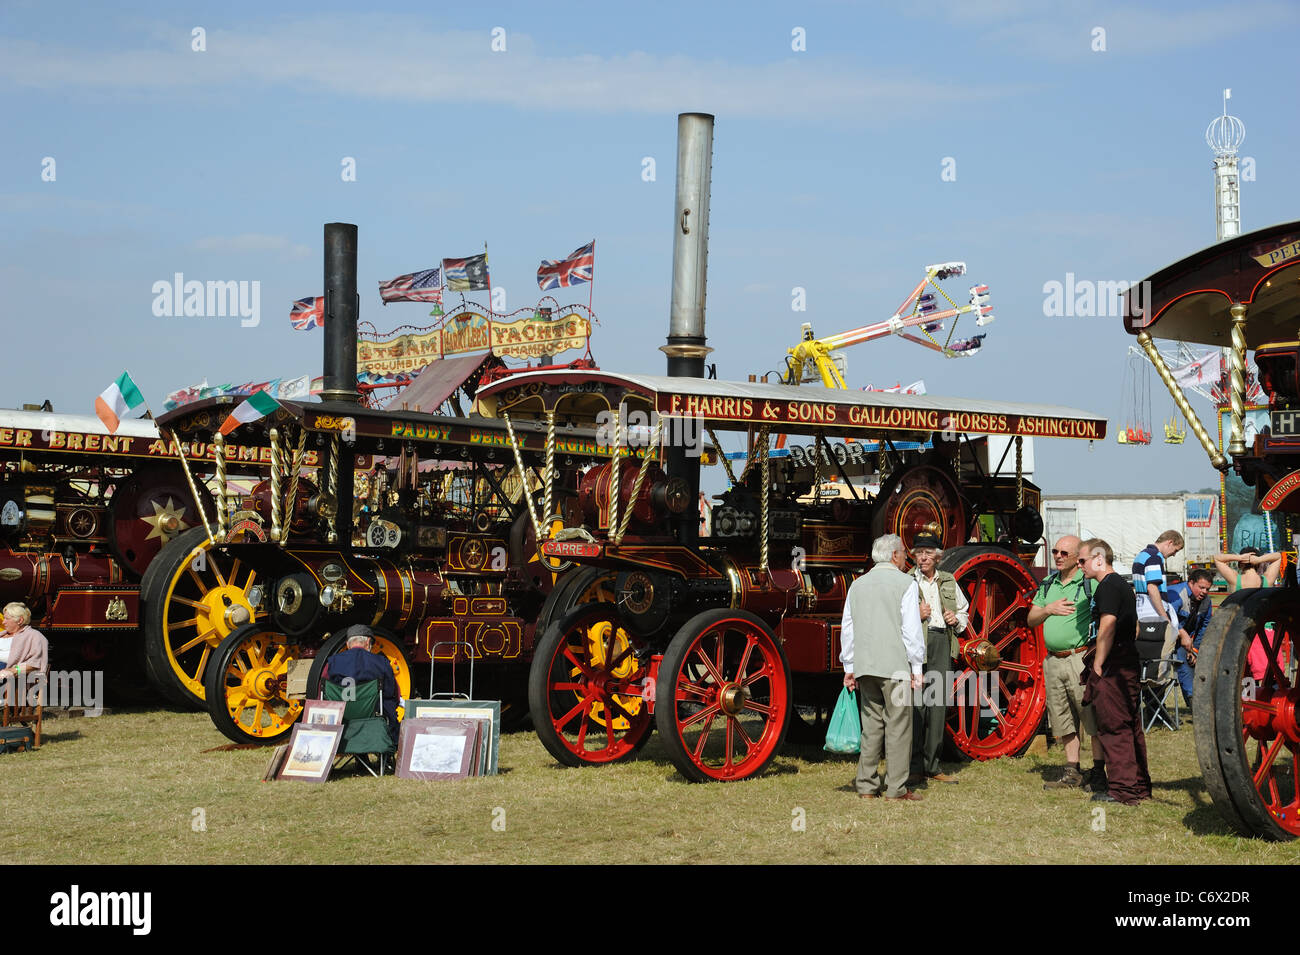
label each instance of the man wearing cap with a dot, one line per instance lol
(359, 663)
(943, 616)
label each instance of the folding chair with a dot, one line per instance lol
(1158, 680)
(24, 703)
(365, 731)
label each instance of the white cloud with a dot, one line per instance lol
(252, 242)
(384, 58)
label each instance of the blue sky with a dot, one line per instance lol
(223, 164)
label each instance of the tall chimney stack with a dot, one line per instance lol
(340, 360)
(341, 309)
(687, 346)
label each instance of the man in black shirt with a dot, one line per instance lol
(1111, 677)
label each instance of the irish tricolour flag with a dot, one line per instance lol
(118, 398)
(259, 405)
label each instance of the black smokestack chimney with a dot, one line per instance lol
(687, 346)
(341, 308)
(340, 365)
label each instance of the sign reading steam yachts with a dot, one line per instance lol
(472, 332)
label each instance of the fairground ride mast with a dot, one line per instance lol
(1225, 135)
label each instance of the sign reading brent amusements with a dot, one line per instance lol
(875, 417)
(133, 446)
(471, 332)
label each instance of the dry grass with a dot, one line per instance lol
(123, 788)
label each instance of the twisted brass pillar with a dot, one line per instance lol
(1237, 380)
(1217, 458)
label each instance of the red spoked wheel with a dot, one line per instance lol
(586, 688)
(998, 697)
(1247, 708)
(722, 702)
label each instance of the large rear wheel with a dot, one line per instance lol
(1247, 712)
(194, 596)
(996, 687)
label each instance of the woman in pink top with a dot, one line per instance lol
(30, 651)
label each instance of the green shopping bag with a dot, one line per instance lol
(844, 733)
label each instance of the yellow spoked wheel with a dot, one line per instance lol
(194, 599)
(607, 643)
(247, 686)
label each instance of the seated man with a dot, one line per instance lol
(359, 664)
(29, 652)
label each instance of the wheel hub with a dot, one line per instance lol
(227, 610)
(262, 683)
(732, 698)
(982, 655)
(1278, 718)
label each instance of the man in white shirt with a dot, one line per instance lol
(883, 653)
(943, 613)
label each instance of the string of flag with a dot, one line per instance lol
(469, 274)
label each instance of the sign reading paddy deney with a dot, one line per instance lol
(867, 417)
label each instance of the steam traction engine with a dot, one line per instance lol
(1244, 293)
(82, 515)
(424, 527)
(720, 641)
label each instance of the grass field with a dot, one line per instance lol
(133, 786)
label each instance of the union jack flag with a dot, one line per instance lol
(308, 313)
(423, 286)
(579, 267)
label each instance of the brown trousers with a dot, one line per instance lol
(1115, 697)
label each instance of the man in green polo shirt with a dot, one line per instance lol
(1062, 604)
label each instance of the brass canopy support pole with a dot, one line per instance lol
(295, 466)
(1217, 459)
(1020, 473)
(1237, 380)
(219, 443)
(194, 491)
(765, 473)
(549, 477)
(332, 476)
(277, 502)
(638, 481)
(614, 482)
(523, 479)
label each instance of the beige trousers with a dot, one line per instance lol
(885, 708)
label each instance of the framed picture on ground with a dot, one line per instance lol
(438, 748)
(311, 753)
(322, 712)
(489, 710)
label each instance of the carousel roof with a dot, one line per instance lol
(1189, 300)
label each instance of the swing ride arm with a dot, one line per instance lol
(814, 354)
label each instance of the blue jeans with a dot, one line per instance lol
(1184, 670)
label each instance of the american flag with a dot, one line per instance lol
(423, 286)
(467, 275)
(577, 268)
(308, 313)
